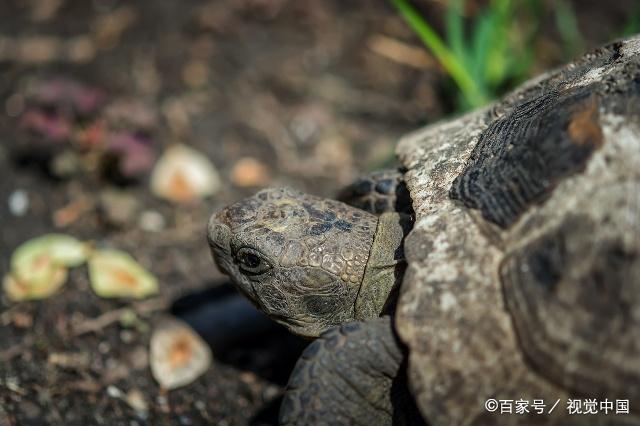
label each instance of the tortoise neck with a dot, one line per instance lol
(385, 267)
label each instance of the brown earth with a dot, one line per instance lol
(274, 92)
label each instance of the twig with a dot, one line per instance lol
(401, 52)
(5, 317)
(93, 325)
(16, 349)
(96, 324)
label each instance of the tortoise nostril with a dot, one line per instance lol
(218, 234)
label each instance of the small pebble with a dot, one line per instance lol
(126, 336)
(22, 320)
(249, 172)
(135, 399)
(66, 164)
(12, 384)
(104, 347)
(151, 221)
(270, 393)
(19, 202)
(129, 318)
(80, 49)
(303, 129)
(139, 358)
(30, 410)
(118, 207)
(195, 73)
(4, 417)
(14, 105)
(114, 392)
(70, 360)
(38, 49)
(44, 10)
(308, 122)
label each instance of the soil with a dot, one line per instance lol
(304, 89)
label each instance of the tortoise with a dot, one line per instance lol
(499, 268)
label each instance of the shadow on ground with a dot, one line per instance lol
(242, 337)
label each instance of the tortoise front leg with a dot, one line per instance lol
(379, 192)
(352, 374)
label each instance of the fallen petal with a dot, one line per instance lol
(178, 354)
(184, 175)
(38, 287)
(39, 266)
(36, 256)
(114, 273)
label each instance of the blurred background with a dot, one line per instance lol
(127, 123)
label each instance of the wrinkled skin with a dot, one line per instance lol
(299, 258)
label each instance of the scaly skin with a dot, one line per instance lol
(379, 192)
(307, 262)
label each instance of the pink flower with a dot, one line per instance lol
(56, 128)
(134, 152)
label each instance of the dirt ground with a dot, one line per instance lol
(274, 92)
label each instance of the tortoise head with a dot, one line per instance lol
(300, 259)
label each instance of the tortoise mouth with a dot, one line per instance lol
(219, 236)
(219, 239)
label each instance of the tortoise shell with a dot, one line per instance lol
(524, 262)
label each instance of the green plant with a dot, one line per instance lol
(633, 23)
(567, 25)
(494, 50)
(493, 56)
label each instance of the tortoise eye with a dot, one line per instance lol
(251, 261)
